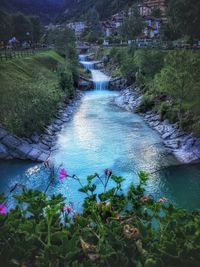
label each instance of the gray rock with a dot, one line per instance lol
(43, 157)
(173, 144)
(3, 133)
(154, 123)
(56, 128)
(23, 149)
(48, 138)
(154, 118)
(166, 135)
(47, 143)
(3, 152)
(11, 141)
(189, 144)
(44, 147)
(49, 132)
(34, 154)
(27, 140)
(15, 155)
(58, 122)
(65, 119)
(160, 128)
(35, 138)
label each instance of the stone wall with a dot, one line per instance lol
(37, 147)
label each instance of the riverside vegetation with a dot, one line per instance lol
(113, 227)
(169, 81)
(32, 88)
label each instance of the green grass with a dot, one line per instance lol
(30, 91)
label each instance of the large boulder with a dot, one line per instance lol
(3, 133)
(3, 152)
(11, 141)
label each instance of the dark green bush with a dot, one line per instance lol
(163, 110)
(147, 103)
(113, 229)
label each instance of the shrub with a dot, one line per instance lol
(113, 228)
(149, 62)
(65, 80)
(146, 104)
(163, 110)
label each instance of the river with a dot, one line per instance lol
(100, 136)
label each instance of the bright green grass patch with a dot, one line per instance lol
(31, 90)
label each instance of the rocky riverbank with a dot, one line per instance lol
(37, 147)
(184, 146)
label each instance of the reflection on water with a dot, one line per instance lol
(101, 136)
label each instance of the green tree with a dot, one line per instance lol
(36, 28)
(133, 25)
(149, 62)
(5, 26)
(22, 27)
(183, 17)
(180, 78)
(95, 26)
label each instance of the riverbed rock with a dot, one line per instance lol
(11, 141)
(55, 127)
(35, 137)
(23, 150)
(44, 147)
(43, 157)
(58, 122)
(185, 147)
(37, 147)
(3, 133)
(173, 144)
(3, 152)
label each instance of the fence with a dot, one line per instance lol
(8, 54)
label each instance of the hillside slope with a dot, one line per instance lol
(30, 91)
(46, 9)
(76, 9)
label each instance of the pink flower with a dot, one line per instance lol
(108, 172)
(67, 209)
(63, 174)
(3, 209)
(162, 200)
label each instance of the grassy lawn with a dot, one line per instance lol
(30, 91)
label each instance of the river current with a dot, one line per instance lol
(101, 135)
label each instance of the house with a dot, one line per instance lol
(111, 26)
(78, 27)
(152, 28)
(144, 10)
(156, 4)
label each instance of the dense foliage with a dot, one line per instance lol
(45, 9)
(24, 28)
(80, 9)
(113, 228)
(29, 99)
(133, 26)
(183, 18)
(169, 79)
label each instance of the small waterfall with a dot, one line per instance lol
(88, 65)
(100, 80)
(82, 57)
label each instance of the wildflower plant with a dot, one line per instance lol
(113, 228)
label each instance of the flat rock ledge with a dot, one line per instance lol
(37, 147)
(184, 146)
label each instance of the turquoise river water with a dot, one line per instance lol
(101, 135)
